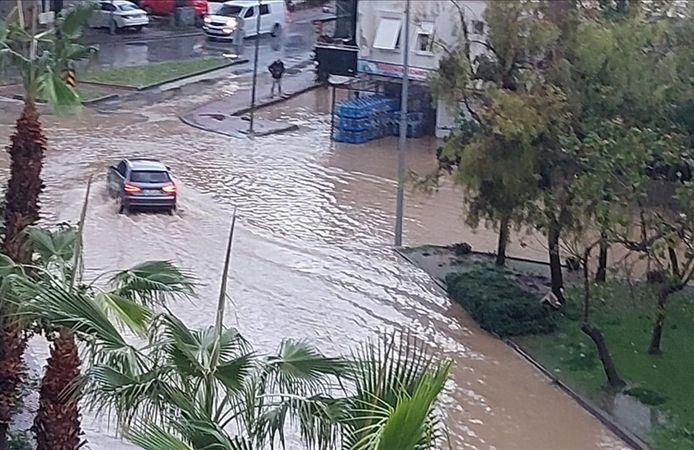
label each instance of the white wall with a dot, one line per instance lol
(445, 16)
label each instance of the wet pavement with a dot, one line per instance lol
(153, 44)
(312, 255)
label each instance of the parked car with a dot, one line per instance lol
(237, 16)
(118, 14)
(142, 183)
(166, 7)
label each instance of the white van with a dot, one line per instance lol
(241, 16)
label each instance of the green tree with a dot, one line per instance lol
(40, 60)
(505, 111)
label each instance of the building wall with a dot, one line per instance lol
(441, 17)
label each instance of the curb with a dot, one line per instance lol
(183, 77)
(194, 124)
(169, 80)
(596, 412)
(140, 40)
(242, 111)
(602, 416)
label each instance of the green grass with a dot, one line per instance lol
(626, 316)
(138, 76)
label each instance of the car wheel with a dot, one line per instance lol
(138, 28)
(276, 30)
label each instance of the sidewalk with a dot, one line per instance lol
(227, 116)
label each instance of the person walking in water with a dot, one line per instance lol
(276, 70)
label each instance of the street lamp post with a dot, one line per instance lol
(402, 145)
(255, 68)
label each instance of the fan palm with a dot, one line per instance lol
(65, 308)
(40, 59)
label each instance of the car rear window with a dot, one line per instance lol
(229, 10)
(127, 7)
(149, 176)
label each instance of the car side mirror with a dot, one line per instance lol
(113, 168)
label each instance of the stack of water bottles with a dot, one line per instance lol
(365, 118)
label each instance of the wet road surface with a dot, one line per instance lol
(312, 255)
(128, 49)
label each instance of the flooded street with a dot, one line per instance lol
(312, 257)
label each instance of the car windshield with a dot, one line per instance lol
(149, 176)
(127, 7)
(229, 10)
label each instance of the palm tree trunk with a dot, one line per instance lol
(26, 150)
(25, 185)
(57, 423)
(12, 345)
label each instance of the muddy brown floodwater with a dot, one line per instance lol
(312, 257)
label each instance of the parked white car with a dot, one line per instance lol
(241, 16)
(118, 14)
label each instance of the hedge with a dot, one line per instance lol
(498, 303)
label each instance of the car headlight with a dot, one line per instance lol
(208, 19)
(231, 23)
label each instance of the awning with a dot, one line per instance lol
(388, 34)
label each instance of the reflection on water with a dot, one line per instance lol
(312, 256)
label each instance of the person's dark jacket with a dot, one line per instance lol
(277, 69)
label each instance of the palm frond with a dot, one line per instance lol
(53, 244)
(300, 368)
(153, 282)
(55, 304)
(317, 418)
(71, 21)
(153, 437)
(408, 424)
(135, 316)
(386, 372)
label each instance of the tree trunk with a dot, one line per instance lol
(601, 274)
(674, 262)
(613, 378)
(663, 295)
(12, 345)
(554, 260)
(26, 150)
(25, 185)
(57, 423)
(503, 242)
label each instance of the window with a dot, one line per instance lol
(148, 176)
(107, 7)
(388, 34)
(229, 10)
(127, 7)
(425, 38)
(249, 13)
(264, 9)
(121, 168)
(478, 27)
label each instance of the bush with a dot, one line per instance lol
(498, 304)
(462, 249)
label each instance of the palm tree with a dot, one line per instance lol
(41, 60)
(59, 303)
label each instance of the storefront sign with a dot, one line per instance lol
(391, 70)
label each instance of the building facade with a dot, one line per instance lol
(434, 26)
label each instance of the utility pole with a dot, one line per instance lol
(251, 131)
(402, 146)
